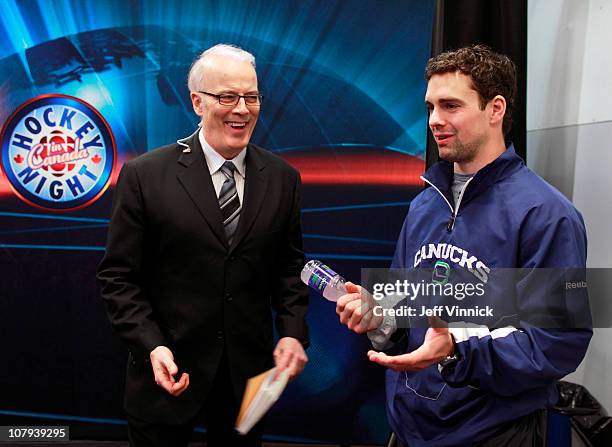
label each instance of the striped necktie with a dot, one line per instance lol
(229, 202)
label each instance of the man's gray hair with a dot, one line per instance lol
(196, 71)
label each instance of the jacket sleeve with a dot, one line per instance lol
(546, 345)
(121, 271)
(387, 337)
(290, 297)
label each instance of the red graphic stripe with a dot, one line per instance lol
(368, 169)
(384, 168)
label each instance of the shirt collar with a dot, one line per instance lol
(214, 160)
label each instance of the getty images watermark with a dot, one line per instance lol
(546, 298)
(409, 291)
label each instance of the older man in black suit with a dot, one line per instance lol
(205, 239)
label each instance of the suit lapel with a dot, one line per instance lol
(195, 178)
(256, 184)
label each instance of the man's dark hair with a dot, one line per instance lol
(491, 73)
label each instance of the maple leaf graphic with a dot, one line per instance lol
(18, 158)
(96, 159)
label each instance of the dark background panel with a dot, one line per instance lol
(500, 24)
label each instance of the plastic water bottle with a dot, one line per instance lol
(324, 280)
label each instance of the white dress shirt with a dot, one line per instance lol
(214, 161)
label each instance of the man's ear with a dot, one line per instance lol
(498, 109)
(197, 103)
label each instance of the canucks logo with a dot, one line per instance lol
(441, 273)
(58, 153)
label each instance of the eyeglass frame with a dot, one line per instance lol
(218, 96)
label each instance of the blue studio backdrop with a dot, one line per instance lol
(343, 85)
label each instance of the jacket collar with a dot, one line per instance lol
(255, 188)
(194, 177)
(441, 174)
(196, 180)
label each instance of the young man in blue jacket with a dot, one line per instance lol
(483, 209)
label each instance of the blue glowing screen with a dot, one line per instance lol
(343, 86)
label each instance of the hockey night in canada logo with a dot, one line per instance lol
(58, 153)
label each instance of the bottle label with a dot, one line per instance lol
(321, 277)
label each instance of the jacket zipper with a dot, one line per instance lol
(454, 211)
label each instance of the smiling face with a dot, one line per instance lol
(227, 129)
(460, 127)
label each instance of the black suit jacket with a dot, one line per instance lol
(170, 278)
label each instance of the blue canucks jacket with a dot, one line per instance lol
(506, 216)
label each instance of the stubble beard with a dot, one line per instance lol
(461, 152)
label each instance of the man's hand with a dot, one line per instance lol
(438, 345)
(289, 354)
(165, 369)
(356, 310)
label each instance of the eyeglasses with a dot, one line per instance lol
(231, 99)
